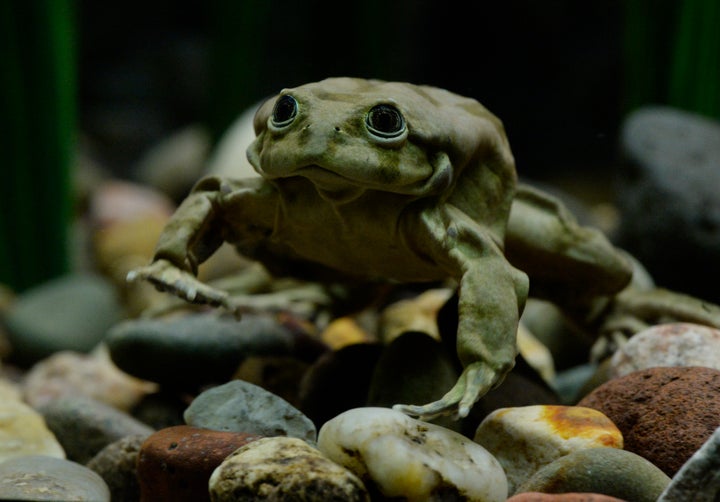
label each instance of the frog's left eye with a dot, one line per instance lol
(385, 121)
(285, 111)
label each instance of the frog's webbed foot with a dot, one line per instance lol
(167, 277)
(475, 381)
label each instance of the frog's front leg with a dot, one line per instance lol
(492, 295)
(194, 232)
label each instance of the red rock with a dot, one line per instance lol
(176, 463)
(664, 414)
(562, 497)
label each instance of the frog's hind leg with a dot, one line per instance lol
(567, 263)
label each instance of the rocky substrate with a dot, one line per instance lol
(200, 406)
(294, 400)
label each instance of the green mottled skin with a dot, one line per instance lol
(439, 201)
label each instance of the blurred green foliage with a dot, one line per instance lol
(37, 72)
(672, 54)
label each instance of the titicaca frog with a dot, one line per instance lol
(370, 179)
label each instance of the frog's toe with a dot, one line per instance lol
(428, 411)
(475, 381)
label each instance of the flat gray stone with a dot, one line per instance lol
(699, 478)
(38, 477)
(194, 350)
(85, 426)
(240, 406)
(667, 195)
(72, 312)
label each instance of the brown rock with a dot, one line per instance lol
(562, 497)
(664, 414)
(176, 463)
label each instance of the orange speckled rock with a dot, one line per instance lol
(176, 463)
(562, 497)
(665, 414)
(524, 439)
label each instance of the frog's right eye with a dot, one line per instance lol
(284, 112)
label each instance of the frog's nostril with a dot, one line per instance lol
(337, 129)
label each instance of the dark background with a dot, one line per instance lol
(552, 70)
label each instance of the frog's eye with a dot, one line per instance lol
(385, 121)
(285, 111)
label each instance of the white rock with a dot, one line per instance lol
(408, 458)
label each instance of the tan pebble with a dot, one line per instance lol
(344, 331)
(93, 375)
(283, 468)
(524, 439)
(417, 314)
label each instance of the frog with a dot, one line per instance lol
(365, 179)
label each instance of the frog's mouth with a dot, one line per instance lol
(331, 186)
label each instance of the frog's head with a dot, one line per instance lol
(350, 135)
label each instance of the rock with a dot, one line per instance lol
(93, 375)
(397, 456)
(664, 414)
(117, 465)
(38, 477)
(527, 438)
(282, 468)
(562, 497)
(699, 478)
(338, 381)
(608, 471)
(174, 164)
(194, 350)
(72, 312)
(667, 189)
(85, 426)
(344, 331)
(676, 344)
(413, 369)
(176, 463)
(116, 201)
(162, 409)
(521, 387)
(23, 431)
(239, 406)
(418, 314)
(280, 375)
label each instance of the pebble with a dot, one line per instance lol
(282, 468)
(664, 414)
(608, 471)
(344, 331)
(338, 381)
(24, 432)
(524, 439)
(675, 344)
(239, 406)
(38, 477)
(562, 497)
(667, 187)
(195, 349)
(72, 312)
(423, 378)
(117, 465)
(176, 463)
(699, 478)
(92, 375)
(418, 314)
(85, 426)
(397, 456)
(175, 163)
(280, 375)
